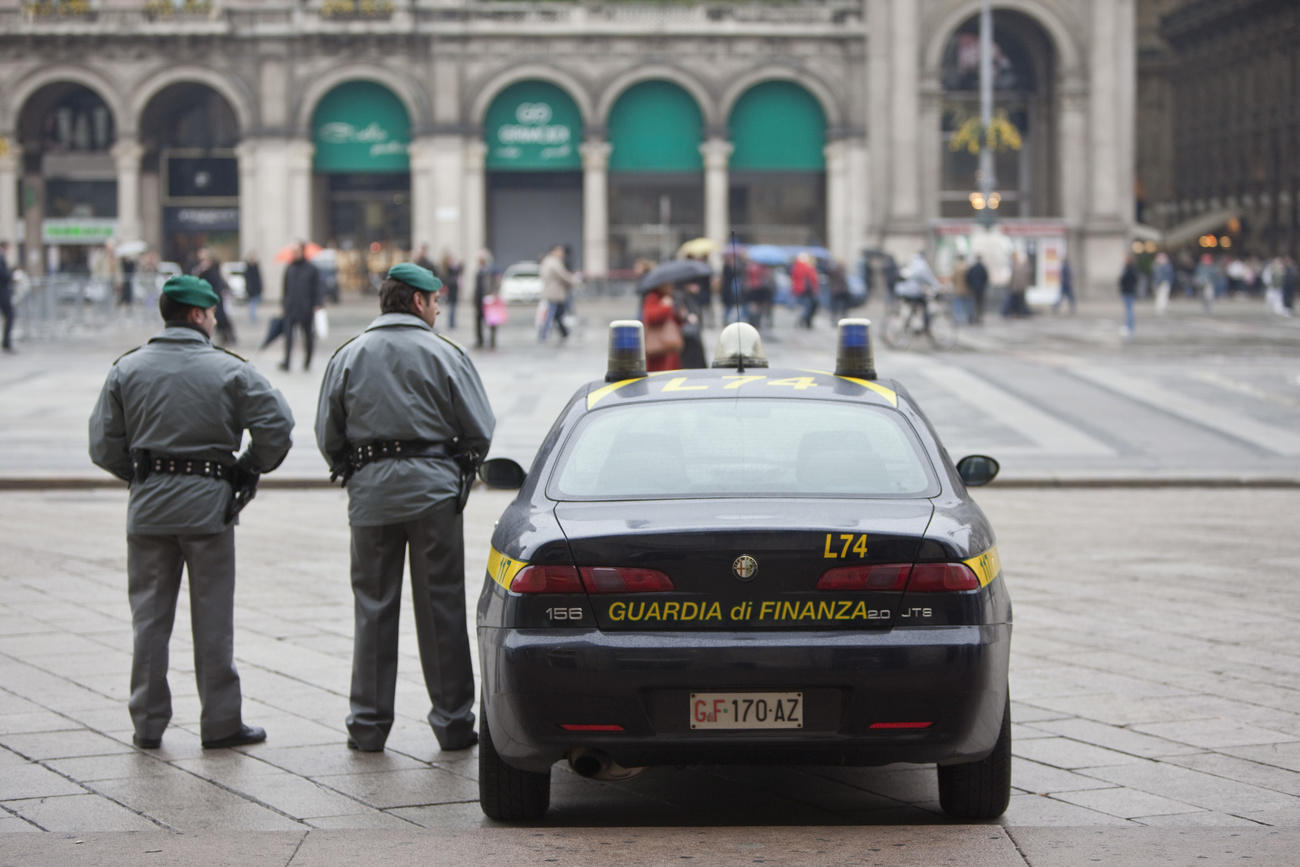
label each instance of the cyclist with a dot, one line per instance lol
(918, 284)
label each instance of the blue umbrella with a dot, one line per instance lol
(767, 254)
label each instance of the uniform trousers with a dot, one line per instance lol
(153, 567)
(435, 543)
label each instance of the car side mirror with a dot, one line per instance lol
(976, 470)
(502, 473)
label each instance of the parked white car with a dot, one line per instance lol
(521, 283)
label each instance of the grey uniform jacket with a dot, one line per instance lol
(399, 380)
(180, 395)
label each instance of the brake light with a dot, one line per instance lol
(547, 579)
(942, 577)
(901, 725)
(878, 576)
(621, 579)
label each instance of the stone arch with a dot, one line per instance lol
(1068, 51)
(25, 88)
(621, 84)
(404, 89)
(493, 87)
(231, 88)
(824, 95)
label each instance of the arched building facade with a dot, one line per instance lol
(619, 129)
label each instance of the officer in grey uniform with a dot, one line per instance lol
(168, 421)
(404, 419)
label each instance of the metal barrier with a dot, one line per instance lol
(56, 306)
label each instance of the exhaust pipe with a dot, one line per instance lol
(597, 765)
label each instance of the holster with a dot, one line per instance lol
(467, 463)
(243, 482)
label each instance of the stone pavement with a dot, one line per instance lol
(1155, 685)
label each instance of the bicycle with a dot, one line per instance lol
(906, 320)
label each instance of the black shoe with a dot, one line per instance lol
(463, 744)
(146, 743)
(245, 735)
(353, 745)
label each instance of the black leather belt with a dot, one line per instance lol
(180, 466)
(377, 450)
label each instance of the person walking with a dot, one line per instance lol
(303, 296)
(557, 282)
(168, 421)
(805, 286)
(485, 295)
(449, 269)
(6, 297)
(961, 300)
(1067, 287)
(252, 284)
(1015, 304)
(1205, 279)
(1128, 287)
(977, 278)
(403, 419)
(209, 269)
(1163, 277)
(663, 319)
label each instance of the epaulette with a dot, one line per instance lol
(453, 344)
(235, 354)
(125, 354)
(343, 344)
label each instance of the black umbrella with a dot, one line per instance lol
(673, 271)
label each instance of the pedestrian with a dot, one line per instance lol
(918, 285)
(485, 294)
(1289, 278)
(1274, 276)
(1163, 276)
(729, 291)
(1067, 286)
(805, 286)
(663, 319)
(449, 269)
(126, 291)
(977, 278)
(209, 269)
(1015, 304)
(168, 421)
(1128, 287)
(403, 418)
(961, 300)
(303, 296)
(7, 296)
(557, 283)
(838, 283)
(1206, 278)
(252, 284)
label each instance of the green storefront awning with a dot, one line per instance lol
(655, 127)
(778, 126)
(361, 126)
(533, 126)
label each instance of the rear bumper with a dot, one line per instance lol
(955, 678)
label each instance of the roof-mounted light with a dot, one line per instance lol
(739, 346)
(626, 350)
(853, 355)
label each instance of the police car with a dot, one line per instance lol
(743, 565)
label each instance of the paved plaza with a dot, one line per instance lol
(1155, 662)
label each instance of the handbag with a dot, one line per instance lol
(320, 323)
(494, 310)
(664, 338)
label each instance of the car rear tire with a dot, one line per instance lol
(508, 794)
(980, 790)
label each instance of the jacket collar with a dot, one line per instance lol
(399, 320)
(178, 333)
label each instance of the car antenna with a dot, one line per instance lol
(735, 293)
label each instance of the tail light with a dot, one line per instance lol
(593, 579)
(919, 578)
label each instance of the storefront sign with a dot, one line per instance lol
(533, 126)
(361, 127)
(89, 231)
(201, 219)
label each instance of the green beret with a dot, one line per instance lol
(194, 291)
(415, 277)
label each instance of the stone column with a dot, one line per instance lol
(299, 157)
(717, 184)
(860, 197)
(903, 35)
(9, 164)
(280, 196)
(422, 226)
(126, 157)
(595, 207)
(473, 207)
(448, 174)
(838, 191)
(928, 153)
(250, 231)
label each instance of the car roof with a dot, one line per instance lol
(522, 266)
(753, 383)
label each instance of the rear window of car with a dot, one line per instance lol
(742, 447)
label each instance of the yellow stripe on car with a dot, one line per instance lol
(986, 566)
(503, 569)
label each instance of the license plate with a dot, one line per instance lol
(746, 710)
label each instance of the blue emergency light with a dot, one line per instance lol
(853, 355)
(626, 350)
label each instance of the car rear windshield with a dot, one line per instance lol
(727, 448)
